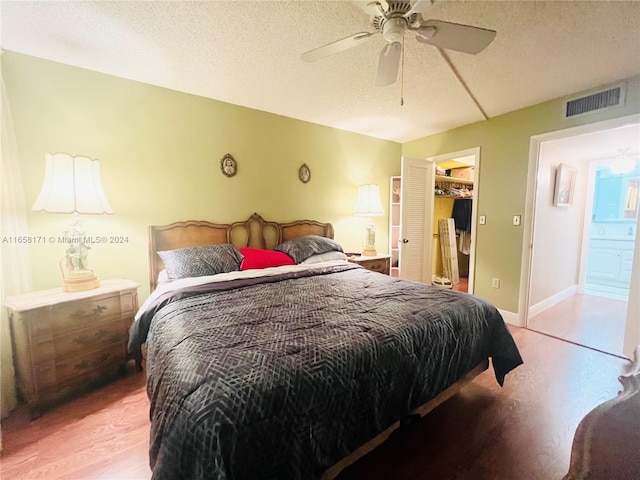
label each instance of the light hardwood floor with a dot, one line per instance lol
(589, 320)
(521, 431)
(463, 286)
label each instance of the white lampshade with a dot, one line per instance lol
(72, 184)
(369, 204)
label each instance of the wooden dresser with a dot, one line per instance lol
(65, 343)
(375, 263)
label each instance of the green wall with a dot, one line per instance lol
(501, 181)
(160, 152)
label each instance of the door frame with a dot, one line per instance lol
(469, 152)
(531, 199)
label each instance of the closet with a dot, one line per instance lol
(452, 221)
(450, 186)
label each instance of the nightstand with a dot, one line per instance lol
(65, 343)
(375, 263)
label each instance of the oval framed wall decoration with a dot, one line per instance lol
(304, 173)
(228, 165)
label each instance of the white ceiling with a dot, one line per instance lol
(609, 144)
(248, 53)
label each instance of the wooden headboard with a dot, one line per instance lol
(254, 232)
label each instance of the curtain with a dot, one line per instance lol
(14, 258)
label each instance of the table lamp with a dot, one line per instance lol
(369, 206)
(72, 184)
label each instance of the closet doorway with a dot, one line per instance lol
(455, 189)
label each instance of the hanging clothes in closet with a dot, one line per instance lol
(462, 218)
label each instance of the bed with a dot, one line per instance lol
(294, 370)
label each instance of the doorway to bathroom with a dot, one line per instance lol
(612, 229)
(582, 253)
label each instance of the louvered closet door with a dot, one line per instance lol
(416, 214)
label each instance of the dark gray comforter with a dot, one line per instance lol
(282, 379)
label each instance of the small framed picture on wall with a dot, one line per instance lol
(565, 185)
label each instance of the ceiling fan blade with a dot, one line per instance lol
(373, 7)
(418, 6)
(388, 64)
(454, 36)
(337, 46)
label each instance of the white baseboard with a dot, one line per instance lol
(551, 301)
(511, 318)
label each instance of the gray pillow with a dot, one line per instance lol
(201, 261)
(302, 248)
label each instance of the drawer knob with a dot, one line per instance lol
(78, 314)
(102, 359)
(82, 365)
(85, 339)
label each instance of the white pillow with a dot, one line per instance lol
(324, 257)
(163, 277)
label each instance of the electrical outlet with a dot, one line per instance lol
(516, 220)
(495, 282)
(483, 219)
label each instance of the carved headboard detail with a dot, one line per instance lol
(254, 232)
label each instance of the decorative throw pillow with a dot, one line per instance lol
(201, 261)
(256, 258)
(302, 248)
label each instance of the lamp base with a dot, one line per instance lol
(369, 251)
(77, 280)
(80, 284)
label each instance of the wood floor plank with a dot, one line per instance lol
(521, 431)
(589, 320)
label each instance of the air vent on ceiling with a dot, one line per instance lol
(596, 101)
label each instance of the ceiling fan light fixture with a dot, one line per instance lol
(393, 29)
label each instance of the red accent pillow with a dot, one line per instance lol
(256, 258)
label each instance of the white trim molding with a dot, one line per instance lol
(552, 301)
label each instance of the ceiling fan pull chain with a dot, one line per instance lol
(402, 75)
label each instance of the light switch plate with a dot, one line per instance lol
(516, 220)
(483, 219)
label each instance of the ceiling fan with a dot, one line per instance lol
(392, 19)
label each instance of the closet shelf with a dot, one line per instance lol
(463, 181)
(452, 196)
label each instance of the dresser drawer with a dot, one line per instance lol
(49, 347)
(95, 361)
(79, 315)
(380, 263)
(375, 265)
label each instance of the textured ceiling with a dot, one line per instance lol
(248, 53)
